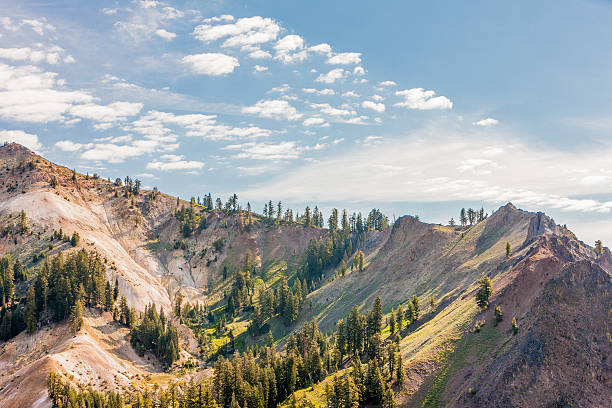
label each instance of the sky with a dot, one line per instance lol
(412, 107)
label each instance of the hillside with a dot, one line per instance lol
(558, 289)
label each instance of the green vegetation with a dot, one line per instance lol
(153, 332)
(485, 289)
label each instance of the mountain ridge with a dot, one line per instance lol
(139, 236)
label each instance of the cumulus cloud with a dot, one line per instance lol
(486, 122)
(148, 21)
(39, 26)
(314, 122)
(53, 55)
(28, 140)
(332, 76)
(324, 92)
(345, 58)
(359, 71)
(350, 94)
(211, 63)
(275, 108)
(260, 54)
(113, 112)
(260, 68)
(289, 43)
(165, 34)
(378, 107)
(245, 31)
(29, 94)
(420, 99)
(266, 151)
(170, 162)
(387, 83)
(323, 48)
(327, 109)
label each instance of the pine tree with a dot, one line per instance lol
(599, 247)
(484, 291)
(116, 289)
(401, 372)
(31, 316)
(75, 239)
(399, 317)
(462, 217)
(77, 316)
(432, 305)
(392, 322)
(108, 297)
(416, 309)
(508, 249)
(377, 315)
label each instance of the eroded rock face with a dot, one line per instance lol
(541, 224)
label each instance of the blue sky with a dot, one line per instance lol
(414, 107)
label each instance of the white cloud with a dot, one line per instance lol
(28, 94)
(280, 89)
(69, 146)
(260, 54)
(345, 58)
(314, 122)
(323, 48)
(418, 98)
(154, 125)
(245, 31)
(339, 140)
(266, 151)
(372, 140)
(350, 94)
(149, 20)
(260, 68)
(377, 97)
(410, 170)
(217, 19)
(323, 92)
(486, 122)
(289, 43)
(276, 109)
(38, 26)
(19, 136)
(327, 109)
(378, 107)
(172, 162)
(113, 112)
(387, 83)
(211, 63)
(332, 76)
(359, 71)
(165, 34)
(52, 55)
(109, 11)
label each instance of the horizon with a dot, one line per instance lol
(418, 109)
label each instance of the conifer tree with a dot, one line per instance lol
(508, 249)
(108, 297)
(416, 309)
(484, 291)
(599, 247)
(401, 372)
(77, 316)
(31, 317)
